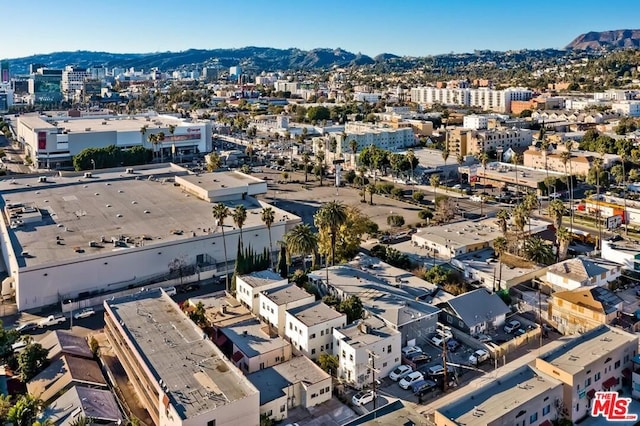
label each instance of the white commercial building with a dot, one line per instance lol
(364, 347)
(628, 108)
(178, 375)
(275, 302)
(248, 287)
(371, 98)
(380, 135)
(72, 83)
(310, 328)
(82, 237)
(476, 122)
(52, 141)
(484, 98)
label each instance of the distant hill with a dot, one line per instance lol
(606, 39)
(251, 58)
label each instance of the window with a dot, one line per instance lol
(313, 351)
(327, 389)
(261, 365)
(211, 423)
(388, 347)
(322, 332)
(587, 382)
(313, 336)
(277, 359)
(626, 359)
(617, 364)
(533, 418)
(322, 391)
(269, 413)
(290, 326)
(351, 357)
(384, 364)
(343, 355)
(596, 377)
(314, 395)
(546, 409)
(282, 408)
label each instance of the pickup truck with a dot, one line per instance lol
(51, 320)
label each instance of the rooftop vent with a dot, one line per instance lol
(88, 174)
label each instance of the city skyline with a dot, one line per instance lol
(415, 29)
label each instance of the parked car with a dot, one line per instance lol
(511, 326)
(171, 291)
(409, 350)
(438, 370)
(483, 338)
(437, 340)
(85, 313)
(52, 320)
(363, 398)
(26, 327)
(423, 386)
(19, 345)
(478, 357)
(452, 345)
(419, 358)
(400, 372)
(410, 379)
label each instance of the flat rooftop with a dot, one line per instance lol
(220, 180)
(500, 397)
(261, 278)
(252, 339)
(355, 337)
(143, 208)
(485, 261)
(113, 123)
(582, 351)
(271, 381)
(506, 172)
(286, 294)
(197, 376)
(315, 313)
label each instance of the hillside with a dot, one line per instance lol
(252, 58)
(606, 39)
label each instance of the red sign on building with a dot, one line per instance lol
(42, 140)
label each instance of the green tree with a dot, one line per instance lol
(25, 411)
(268, 216)
(301, 240)
(434, 181)
(418, 196)
(94, 345)
(8, 337)
(537, 250)
(395, 220)
(556, 211)
(320, 165)
(213, 162)
(31, 360)
(81, 421)
(329, 218)
(411, 158)
(5, 405)
(500, 247)
(220, 213)
(352, 307)
(563, 239)
(503, 220)
(329, 363)
(425, 215)
(353, 146)
(198, 315)
(371, 189)
(239, 216)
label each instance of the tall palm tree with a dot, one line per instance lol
(434, 181)
(371, 188)
(268, 216)
(503, 220)
(563, 238)
(520, 218)
(172, 130)
(623, 157)
(306, 159)
(530, 202)
(81, 421)
(566, 159)
(445, 156)
(25, 411)
(538, 251)
(220, 213)
(484, 159)
(153, 139)
(500, 247)
(301, 240)
(460, 160)
(411, 157)
(545, 153)
(353, 146)
(320, 163)
(557, 210)
(330, 217)
(143, 133)
(239, 216)
(515, 160)
(161, 137)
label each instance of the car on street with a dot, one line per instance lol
(484, 338)
(478, 357)
(52, 320)
(400, 372)
(410, 379)
(362, 398)
(512, 326)
(26, 327)
(85, 313)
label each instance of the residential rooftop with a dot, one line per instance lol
(63, 342)
(492, 401)
(315, 313)
(580, 352)
(582, 268)
(486, 262)
(96, 404)
(197, 377)
(286, 294)
(261, 278)
(271, 381)
(365, 333)
(252, 338)
(595, 298)
(81, 216)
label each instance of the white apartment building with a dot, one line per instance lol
(286, 86)
(627, 108)
(474, 121)
(382, 136)
(248, 287)
(363, 346)
(73, 82)
(492, 139)
(310, 328)
(274, 304)
(487, 99)
(370, 98)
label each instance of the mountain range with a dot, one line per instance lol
(606, 39)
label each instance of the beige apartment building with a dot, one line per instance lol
(180, 377)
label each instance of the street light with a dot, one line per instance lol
(93, 164)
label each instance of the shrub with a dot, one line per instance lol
(395, 220)
(397, 192)
(418, 196)
(425, 214)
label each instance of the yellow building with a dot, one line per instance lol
(583, 309)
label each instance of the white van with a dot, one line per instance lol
(171, 291)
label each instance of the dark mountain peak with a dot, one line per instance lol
(606, 39)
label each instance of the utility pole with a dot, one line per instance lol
(372, 368)
(442, 332)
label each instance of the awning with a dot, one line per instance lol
(546, 423)
(591, 393)
(610, 382)
(237, 356)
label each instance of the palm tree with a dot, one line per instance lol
(81, 421)
(557, 210)
(545, 152)
(25, 411)
(172, 130)
(460, 160)
(566, 158)
(161, 137)
(536, 250)
(239, 216)
(371, 188)
(484, 159)
(301, 240)
(434, 181)
(503, 219)
(249, 152)
(353, 145)
(500, 247)
(530, 202)
(623, 157)
(320, 163)
(520, 218)
(268, 216)
(143, 132)
(306, 159)
(153, 138)
(445, 156)
(214, 162)
(597, 167)
(220, 213)
(515, 159)
(330, 217)
(563, 238)
(411, 157)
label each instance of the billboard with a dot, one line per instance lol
(473, 174)
(614, 222)
(42, 140)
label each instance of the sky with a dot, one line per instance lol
(402, 27)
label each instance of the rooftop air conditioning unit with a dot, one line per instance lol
(88, 174)
(130, 170)
(42, 179)
(87, 129)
